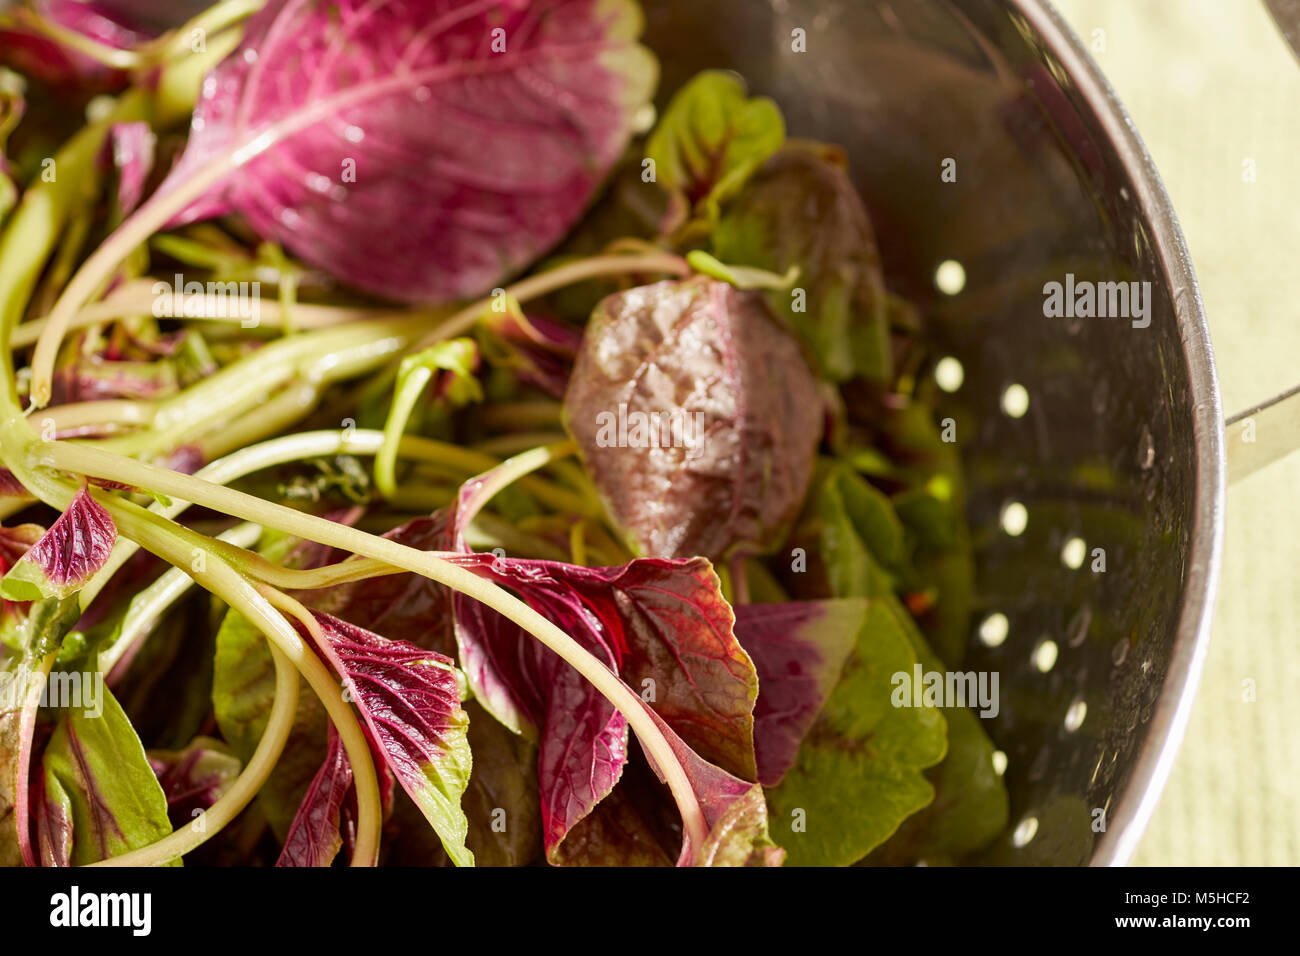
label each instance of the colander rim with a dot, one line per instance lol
(1163, 733)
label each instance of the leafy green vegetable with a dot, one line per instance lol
(859, 773)
(96, 770)
(672, 406)
(801, 211)
(452, 364)
(970, 806)
(860, 532)
(710, 139)
(74, 548)
(736, 328)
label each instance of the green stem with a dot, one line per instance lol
(167, 541)
(210, 22)
(311, 359)
(187, 838)
(305, 445)
(89, 460)
(148, 606)
(140, 298)
(546, 282)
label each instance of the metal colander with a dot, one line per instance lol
(1117, 453)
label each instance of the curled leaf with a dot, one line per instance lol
(66, 556)
(314, 838)
(410, 701)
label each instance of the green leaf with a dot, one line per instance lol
(861, 536)
(96, 763)
(502, 802)
(970, 805)
(710, 140)
(801, 210)
(859, 772)
(932, 508)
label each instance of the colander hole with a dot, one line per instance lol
(1119, 652)
(993, 629)
(1045, 655)
(1015, 401)
(999, 762)
(1073, 553)
(1025, 831)
(1146, 449)
(949, 374)
(1074, 717)
(1015, 517)
(950, 277)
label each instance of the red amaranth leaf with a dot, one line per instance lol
(537, 349)
(66, 556)
(734, 810)
(30, 50)
(194, 779)
(422, 150)
(696, 416)
(659, 620)
(410, 701)
(798, 649)
(130, 149)
(314, 837)
(53, 810)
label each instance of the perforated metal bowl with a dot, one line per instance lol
(1121, 445)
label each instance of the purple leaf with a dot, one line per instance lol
(410, 701)
(539, 350)
(660, 623)
(75, 547)
(798, 649)
(402, 607)
(132, 150)
(422, 150)
(30, 50)
(675, 406)
(314, 838)
(194, 779)
(734, 810)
